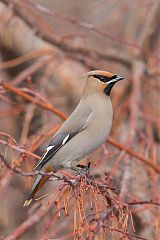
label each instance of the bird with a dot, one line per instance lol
(87, 127)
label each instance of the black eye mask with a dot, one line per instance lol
(103, 78)
(110, 80)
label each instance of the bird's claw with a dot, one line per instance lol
(83, 171)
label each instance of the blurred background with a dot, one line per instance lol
(45, 48)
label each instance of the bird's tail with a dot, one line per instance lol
(39, 182)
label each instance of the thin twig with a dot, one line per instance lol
(26, 96)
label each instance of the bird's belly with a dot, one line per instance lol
(80, 146)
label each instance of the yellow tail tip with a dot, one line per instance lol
(27, 203)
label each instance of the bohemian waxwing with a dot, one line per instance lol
(83, 132)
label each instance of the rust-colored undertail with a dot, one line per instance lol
(39, 182)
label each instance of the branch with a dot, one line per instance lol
(145, 160)
(30, 222)
(26, 96)
(78, 23)
(125, 233)
(143, 202)
(19, 149)
(29, 14)
(139, 157)
(27, 57)
(72, 181)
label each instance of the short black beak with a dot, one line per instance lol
(118, 78)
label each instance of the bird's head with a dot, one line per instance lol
(101, 80)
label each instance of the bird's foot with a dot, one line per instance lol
(83, 171)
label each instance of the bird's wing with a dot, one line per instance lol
(77, 124)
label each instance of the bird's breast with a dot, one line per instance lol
(101, 119)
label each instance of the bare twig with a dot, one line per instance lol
(26, 96)
(30, 222)
(149, 162)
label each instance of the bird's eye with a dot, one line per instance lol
(102, 79)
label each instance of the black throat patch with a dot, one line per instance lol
(108, 88)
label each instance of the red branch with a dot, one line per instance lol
(148, 162)
(125, 233)
(30, 222)
(26, 96)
